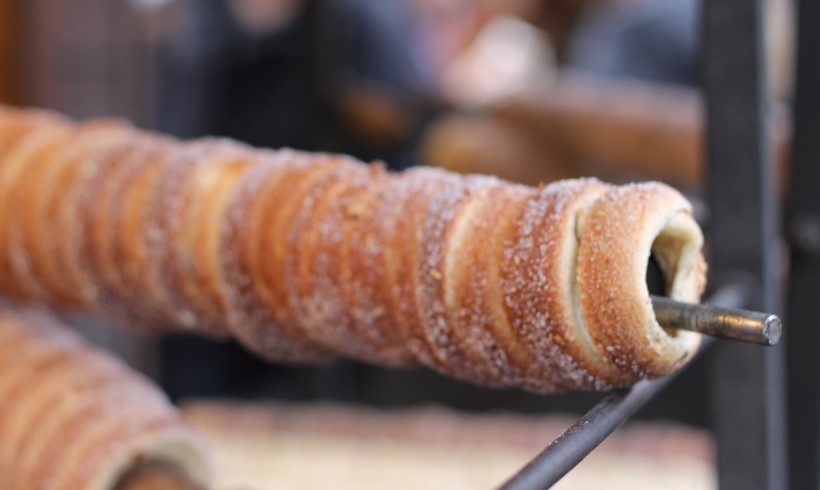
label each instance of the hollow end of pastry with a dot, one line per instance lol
(174, 460)
(676, 248)
(623, 230)
(156, 475)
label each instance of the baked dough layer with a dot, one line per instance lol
(76, 418)
(304, 257)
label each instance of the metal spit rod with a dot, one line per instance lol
(596, 425)
(727, 323)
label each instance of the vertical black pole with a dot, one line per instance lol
(747, 391)
(803, 335)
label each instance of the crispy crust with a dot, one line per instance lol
(74, 417)
(214, 189)
(45, 235)
(249, 318)
(304, 257)
(312, 300)
(366, 215)
(617, 242)
(446, 224)
(105, 212)
(414, 192)
(81, 187)
(474, 292)
(484, 325)
(138, 271)
(24, 200)
(15, 279)
(191, 190)
(326, 302)
(370, 260)
(15, 127)
(539, 283)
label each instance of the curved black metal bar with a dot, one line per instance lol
(569, 449)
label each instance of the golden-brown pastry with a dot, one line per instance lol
(137, 175)
(79, 248)
(24, 142)
(257, 318)
(74, 418)
(47, 181)
(186, 213)
(613, 294)
(304, 257)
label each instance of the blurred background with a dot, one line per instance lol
(530, 90)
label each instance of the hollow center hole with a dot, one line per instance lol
(655, 280)
(156, 475)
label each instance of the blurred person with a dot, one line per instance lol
(484, 49)
(658, 40)
(443, 28)
(653, 40)
(616, 68)
(329, 75)
(525, 42)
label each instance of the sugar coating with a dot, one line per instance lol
(179, 197)
(641, 348)
(136, 270)
(385, 288)
(51, 363)
(474, 289)
(102, 211)
(70, 264)
(14, 274)
(45, 421)
(276, 207)
(617, 352)
(28, 197)
(80, 463)
(284, 211)
(370, 216)
(17, 383)
(553, 212)
(48, 441)
(55, 389)
(46, 222)
(50, 396)
(23, 204)
(205, 238)
(306, 256)
(448, 214)
(89, 454)
(167, 213)
(249, 317)
(321, 240)
(405, 258)
(314, 299)
(536, 290)
(75, 252)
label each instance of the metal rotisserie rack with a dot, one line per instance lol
(765, 420)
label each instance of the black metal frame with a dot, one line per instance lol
(569, 449)
(564, 453)
(747, 381)
(803, 230)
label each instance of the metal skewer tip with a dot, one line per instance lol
(735, 324)
(773, 329)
